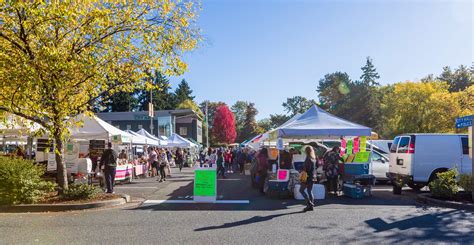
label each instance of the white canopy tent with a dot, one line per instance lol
(143, 132)
(269, 137)
(317, 123)
(141, 138)
(177, 141)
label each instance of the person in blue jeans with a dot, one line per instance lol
(308, 167)
(108, 162)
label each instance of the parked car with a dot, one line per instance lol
(417, 158)
(379, 166)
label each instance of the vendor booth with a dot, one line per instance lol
(317, 124)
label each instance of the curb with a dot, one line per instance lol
(426, 199)
(39, 208)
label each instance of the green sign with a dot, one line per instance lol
(362, 157)
(70, 148)
(205, 182)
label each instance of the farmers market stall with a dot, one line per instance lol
(316, 123)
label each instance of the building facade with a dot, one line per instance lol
(186, 123)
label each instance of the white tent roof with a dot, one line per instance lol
(178, 141)
(161, 141)
(96, 128)
(15, 127)
(140, 139)
(316, 122)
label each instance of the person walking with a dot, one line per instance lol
(163, 159)
(212, 157)
(108, 162)
(241, 159)
(307, 183)
(228, 161)
(220, 164)
(153, 161)
(262, 168)
(179, 158)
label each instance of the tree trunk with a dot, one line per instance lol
(61, 166)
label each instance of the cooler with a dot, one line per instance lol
(356, 168)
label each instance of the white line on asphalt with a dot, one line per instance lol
(135, 187)
(192, 201)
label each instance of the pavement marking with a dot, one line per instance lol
(135, 187)
(192, 201)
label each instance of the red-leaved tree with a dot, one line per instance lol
(223, 127)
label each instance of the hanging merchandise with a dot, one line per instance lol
(356, 145)
(349, 147)
(363, 144)
(343, 146)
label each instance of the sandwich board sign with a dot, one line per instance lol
(205, 185)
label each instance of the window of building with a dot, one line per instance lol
(183, 131)
(140, 126)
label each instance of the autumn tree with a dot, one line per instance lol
(420, 107)
(223, 127)
(211, 109)
(58, 57)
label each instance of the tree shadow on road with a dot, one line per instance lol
(448, 226)
(253, 220)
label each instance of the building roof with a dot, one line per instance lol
(143, 115)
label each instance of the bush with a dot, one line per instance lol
(21, 182)
(445, 186)
(465, 182)
(79, 192)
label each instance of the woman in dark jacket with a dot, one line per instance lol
(309, 168)
(262, 168)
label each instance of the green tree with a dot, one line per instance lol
(183, 92)
(239, 109)
(458, 80)
(250, 128)
(58, 57)
(369, 74)
(278, 119)
(265, 125)
(162, 98)
(297, 104)
(121, 101)
(333, 92)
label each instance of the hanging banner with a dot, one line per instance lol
(356, 145)
(280, 145)
(117, 139)
(343, 146)
(363, 144)
(362, 157)
(349, 147)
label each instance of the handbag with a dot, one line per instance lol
(303, 176)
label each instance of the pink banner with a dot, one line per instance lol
(356, 145)
(343, 146)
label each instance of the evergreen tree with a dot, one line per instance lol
(162, 98)
(239, 109)
(121, 101)
(369, 74)
(183, 92)
(458, 80)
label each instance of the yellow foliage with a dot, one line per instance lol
(421, 107)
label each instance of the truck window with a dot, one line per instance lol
(465, 146)
(393, 147)
(403, 145)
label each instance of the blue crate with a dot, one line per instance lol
(353, 191)
(278, 186)
(356, 168)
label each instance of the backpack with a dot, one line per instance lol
(111, 158)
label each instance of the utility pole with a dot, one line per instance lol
(207, 125)
(150, 111)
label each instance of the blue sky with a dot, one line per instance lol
(267, 51)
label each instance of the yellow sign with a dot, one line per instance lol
(362, 157)
(363, 144)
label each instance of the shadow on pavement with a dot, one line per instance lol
(454, 226)
(253, 220)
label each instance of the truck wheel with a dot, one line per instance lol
(416, 187)
(397, 190)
